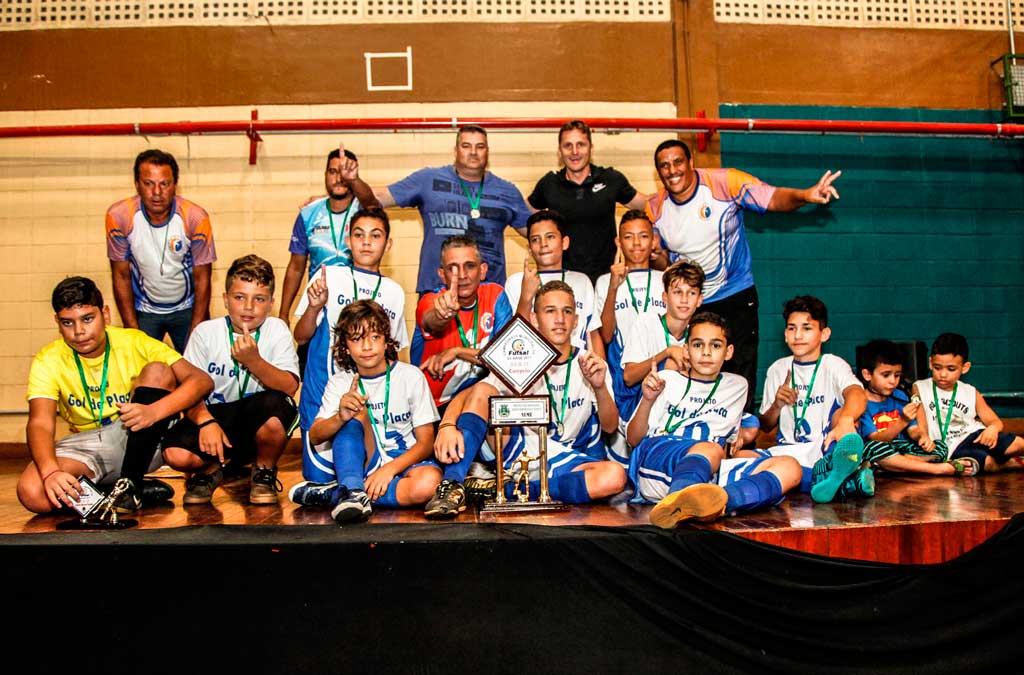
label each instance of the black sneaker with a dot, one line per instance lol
(308, 493)
(199, 487)
(264, 485)
(155, 492)
(480, 489)
(130, 500)
(352, 509)
(449, 500)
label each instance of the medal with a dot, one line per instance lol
(474, 213)
(559, 429)
(560, 414)
(474, 200)
(798, 420)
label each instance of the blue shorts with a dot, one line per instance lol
(652, 463)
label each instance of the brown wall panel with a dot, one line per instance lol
(172, 67)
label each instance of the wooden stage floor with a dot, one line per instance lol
(910, 519)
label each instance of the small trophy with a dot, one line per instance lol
(96, 509)
(518, 356)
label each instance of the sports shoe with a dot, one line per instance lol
(354, 508)
(130, 500)
(264, 485)
(155, 491)
(965, 466)
(834, 468)
(701, 501)
(449, 500)
(199, 487)
(308, 493)
(860, 484)
(480, 489)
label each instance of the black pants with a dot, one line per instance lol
(740, 310)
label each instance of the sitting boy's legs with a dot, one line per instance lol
(755, 483)
(997, 458)
(676, 473)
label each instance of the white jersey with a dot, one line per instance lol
(834, 375)
(640, 296)
(710, 411)
(209, 349)
(964, 419)
(646, 337)
(397, 410)
(577, 411)
(589, 314)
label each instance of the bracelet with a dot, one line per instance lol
(208, 422)
(442, 425)
(50, 474)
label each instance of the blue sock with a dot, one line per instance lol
(806, 480)
(571, 488)
(690, 470)
(390, 498)
(747, 494)
(474, 429)
(350, 455)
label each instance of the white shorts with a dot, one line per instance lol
(805, 453)
(102, 451)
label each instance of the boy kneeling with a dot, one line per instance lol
(118, 388)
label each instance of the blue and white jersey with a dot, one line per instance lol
(630, 306)
(963, 421)
(344, 285)
(408, 405)
(646, 337)
(312, 235)
(834, 376)
(692, 414)
(583, 291)
(209, 349)
(581, 426)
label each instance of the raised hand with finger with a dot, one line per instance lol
(593, 368)
(352, 403)
(786, 394)
(823, 192)
(244, 348)
(349, 167)
(317, 292)
(618, 269)
(652, 385)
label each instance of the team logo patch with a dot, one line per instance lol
(705, 211)
(598, 187)
(175, 244)
(487, 322)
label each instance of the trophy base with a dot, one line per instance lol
(523, 507)
(79, 524)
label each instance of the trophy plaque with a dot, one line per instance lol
(96, 509)
(518, 356)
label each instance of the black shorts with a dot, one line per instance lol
(240, 421)
(970, 447)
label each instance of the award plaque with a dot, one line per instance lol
(518, 356)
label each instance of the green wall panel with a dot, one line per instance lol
(928, 235)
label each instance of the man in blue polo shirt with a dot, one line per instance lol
(463, 198)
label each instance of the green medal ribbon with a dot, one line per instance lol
(797, 421)
(647, 300)
(103, 382)
(387, 400)
(474, 201)
(668, 336)
(344, 218)
(943, 428)
(560, 415)
(355, 287)
(462, 333)
(671, 428)
(244, 384)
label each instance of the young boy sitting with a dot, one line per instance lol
(813, 399)
(368, 238)
(545, 234)
(956, 414)
(378, 416)
(626, 294)
(582, 407)
(889, 425)
(678, 432)
(250, 413)
(117, 388)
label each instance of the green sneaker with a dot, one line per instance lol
(834, 468)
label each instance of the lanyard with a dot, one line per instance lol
(355, 287)
(244, 384)
(167, 228)
(344, 219)
(797, 421)
(462, 333)
(103, 382)
(669, 427)
(387, 399)
(560, 415)
(668, 336)
(943, 428)
(474, 201)
(647, 300)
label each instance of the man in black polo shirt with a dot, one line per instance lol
(585, 195)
